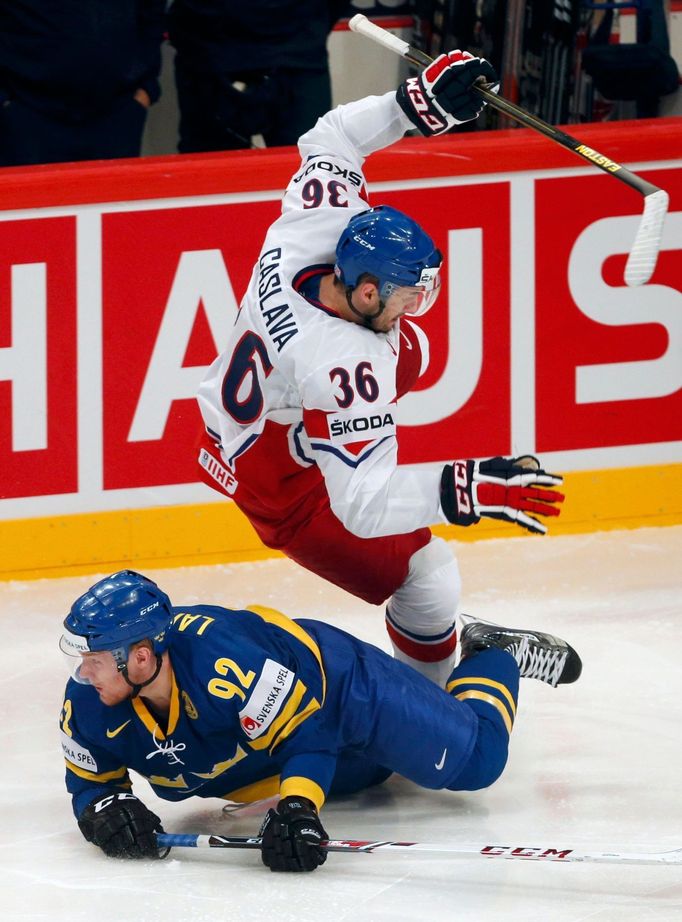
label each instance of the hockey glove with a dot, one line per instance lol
(442, 95)
(291, 835)
(122, 827)
(500, 488)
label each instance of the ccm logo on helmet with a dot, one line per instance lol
(143, 611)
(350, 430)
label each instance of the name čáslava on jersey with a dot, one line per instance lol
(279, 319)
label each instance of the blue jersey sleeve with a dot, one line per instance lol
(91, 770)
(282, 705)
(308, 769)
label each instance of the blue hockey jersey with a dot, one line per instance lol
(263, 705)
(242, 683)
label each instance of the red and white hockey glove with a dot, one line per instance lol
(499, 488)
(442, 96)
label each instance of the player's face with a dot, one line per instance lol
(99, 669)
(403, 300)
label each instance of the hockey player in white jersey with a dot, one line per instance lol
(300, 408)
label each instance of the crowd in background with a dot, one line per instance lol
(77, 77)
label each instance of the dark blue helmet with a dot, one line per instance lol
(116, 612)
(390, 246)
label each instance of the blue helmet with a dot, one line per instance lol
(116, 612)
(390, 246)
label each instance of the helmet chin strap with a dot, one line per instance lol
(137, 687)
(366, 318)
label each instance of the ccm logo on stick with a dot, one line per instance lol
(551, 854)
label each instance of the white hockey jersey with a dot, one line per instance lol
(302, 402)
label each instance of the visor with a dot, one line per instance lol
(72, 648)
(418, 298)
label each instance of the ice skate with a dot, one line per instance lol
(539, 656)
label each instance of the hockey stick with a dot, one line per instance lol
(642, 258)
(354, 846)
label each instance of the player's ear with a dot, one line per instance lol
(142, 653)
(368, 293)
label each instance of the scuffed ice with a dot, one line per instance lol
(595, 765)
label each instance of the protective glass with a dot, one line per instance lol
(415, 299)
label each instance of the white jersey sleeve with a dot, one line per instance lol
(368, 491)
(357, 129)
(348, 395)
(294, 363)
(356, 446)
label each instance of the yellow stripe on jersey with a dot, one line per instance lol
(286, 624)
(174, 712)
(150, 722)
(121, 772)
(312, 706)
(302, 787)
(490, 683)
(259, 790)
(288, 712)
(221, 767)
(489, 699)
(163, 782)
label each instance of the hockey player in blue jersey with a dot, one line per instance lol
(214, 702)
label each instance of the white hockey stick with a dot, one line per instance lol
(354, 846)
(644, 253)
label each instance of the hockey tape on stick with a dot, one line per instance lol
(354, 846)
(644, 253)
(642, 259)
(362, 25)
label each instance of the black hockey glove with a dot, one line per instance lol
(291, 835)
(442, 96)
(122, 827)
(499, 488)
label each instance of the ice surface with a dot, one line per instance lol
(592, 766)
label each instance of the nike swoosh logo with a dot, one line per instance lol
(408, 344)
(112, 733)
(439, 765)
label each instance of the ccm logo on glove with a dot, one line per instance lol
(122, 827)
(461, 478)
(291, 836)
(443, 96)
(499, 488)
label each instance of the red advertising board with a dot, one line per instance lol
(167, 272)
(38, 357)
(110, 313)
(609, 357)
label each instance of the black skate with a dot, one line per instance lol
(540, 656)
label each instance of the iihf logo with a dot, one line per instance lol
(220, 474)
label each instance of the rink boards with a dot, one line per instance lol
(119, 283)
